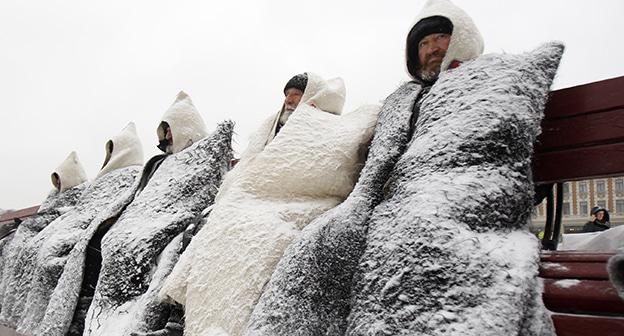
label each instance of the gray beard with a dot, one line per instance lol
(284, 116)
(429, 75)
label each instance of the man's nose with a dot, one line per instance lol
(433, 48)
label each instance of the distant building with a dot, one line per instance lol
(578, 199)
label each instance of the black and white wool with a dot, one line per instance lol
(57, 251)
(55, 204)
(139, 251)
(449, 251)
(309, 291)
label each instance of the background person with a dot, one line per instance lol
(599, 222)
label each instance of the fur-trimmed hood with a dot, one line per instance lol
(122, 151)
(466, 41)
(69, 173)
(187, 125)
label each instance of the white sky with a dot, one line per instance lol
(73, 73)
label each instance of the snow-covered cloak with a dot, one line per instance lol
(70, 184)
(139, 251)
(264, 202)
(59, 250)
(309, 292)
(448, 252)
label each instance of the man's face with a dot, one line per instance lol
(292, 98)
(56, 180)
(168, 135)
(431, 52)
(600, 215)
(169, 138)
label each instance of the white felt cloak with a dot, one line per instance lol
(264, 202)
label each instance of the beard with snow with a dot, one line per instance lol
(429, 75)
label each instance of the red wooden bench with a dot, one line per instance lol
(17, 216)
(582, 137)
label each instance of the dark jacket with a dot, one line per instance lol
(596, 225)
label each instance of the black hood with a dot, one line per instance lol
(427, 26)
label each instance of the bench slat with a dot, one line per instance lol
(580, 163)
(585, 99)
(582, 296)
(574, 270)
(576, 256)
(583, 325)
(581, 131)
(9, 216)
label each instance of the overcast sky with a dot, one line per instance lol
(73, 73)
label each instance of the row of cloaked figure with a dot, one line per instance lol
(126, 149)
(95, 257)
(320, 229)
(54, 260)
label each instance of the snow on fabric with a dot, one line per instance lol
(147, 312)
(184, 184)
(264, 202)
(448, 252)
(54, 206)
(615, 267)
(309, 291)
(611, 239)
(58, 251)
(72, 181)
